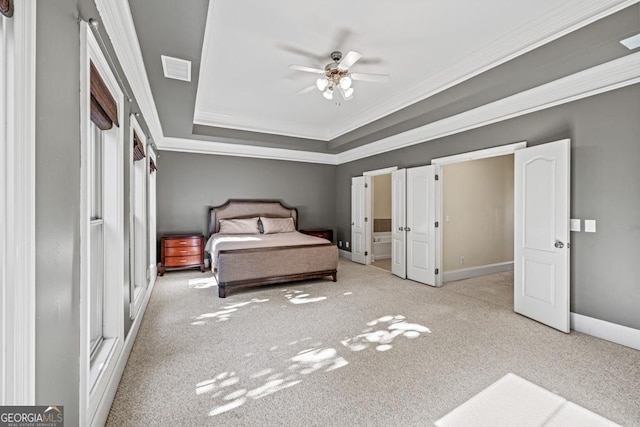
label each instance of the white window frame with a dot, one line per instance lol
(139, 277)
(17, 205)
(153, 255)
(96, 372)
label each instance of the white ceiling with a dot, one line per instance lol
(425, 46)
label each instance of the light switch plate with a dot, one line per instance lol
(574, 225)
(590, 225)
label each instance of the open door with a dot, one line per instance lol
(360, 206)
(421, 212)
(398, 223)
(541, 264)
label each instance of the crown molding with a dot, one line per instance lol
(284, 128)
(241, 150)
(612, 75)
(537, 32)
(118, 22)
(609, 76)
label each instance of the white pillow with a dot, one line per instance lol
(239, 226)
(277, 225)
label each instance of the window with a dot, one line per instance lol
(139, 278)
(96, 225)
(102, 263)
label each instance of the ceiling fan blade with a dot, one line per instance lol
(349, 59)
(366, 77)
(306, 69)
(306, 89)
(302, 52)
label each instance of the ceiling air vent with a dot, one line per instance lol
(175, 68)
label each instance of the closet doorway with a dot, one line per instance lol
(540, 226)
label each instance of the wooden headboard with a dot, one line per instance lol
(239, 208)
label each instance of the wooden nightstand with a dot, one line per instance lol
(181, 251)
(325, 233)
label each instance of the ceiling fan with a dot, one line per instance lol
(337, 77)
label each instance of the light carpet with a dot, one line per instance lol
(371, 349)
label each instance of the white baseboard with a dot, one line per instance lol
(613, 332)
(467, 273)
(344, 254)
(104, 406)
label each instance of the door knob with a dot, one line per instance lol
(408, 228)
(400, 228)
(559, 244)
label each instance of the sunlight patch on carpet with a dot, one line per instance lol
(382, 338)
(203, 283)
(225, 313)
(231, 391)
(514, 401)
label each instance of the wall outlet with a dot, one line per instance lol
(347, 244)
(461, 260)
(339, 243)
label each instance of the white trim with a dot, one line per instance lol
(612, 75)
(613, 332)
(90, 393)
(500, 150)
(567, 17)
(118, 22)
(385, 171)
(102, 411)
(18, 192)
(226, 149)
(136, 293)
(468, 273)
(564, 18)
(269, 126)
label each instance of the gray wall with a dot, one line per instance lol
(605, 186)
(58, 201)
(188, 184)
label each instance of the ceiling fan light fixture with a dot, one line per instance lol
(322, 84)
(328, 94)
(345, 83)
(348, 92)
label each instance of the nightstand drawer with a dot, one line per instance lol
(185, 241)
(182, 251)
(180, 261)
(179, 251)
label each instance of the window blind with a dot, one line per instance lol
(104, 111)
(6, 8)
(138, 148)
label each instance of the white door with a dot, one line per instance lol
(541, 265)
(421, 251)
(398, 223)
(358, 226)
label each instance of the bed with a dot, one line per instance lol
(256, 242)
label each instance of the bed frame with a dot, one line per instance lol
(242, 268)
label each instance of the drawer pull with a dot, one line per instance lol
(183, 243)
(183, 252)
(183, 260)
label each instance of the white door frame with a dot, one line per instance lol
(457, 158)
(369, 207)
(18, 208)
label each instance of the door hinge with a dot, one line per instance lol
(437, 177)
(366, 185)
(366, 253)
(437, 271)
(366, 219)
(437, 224)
